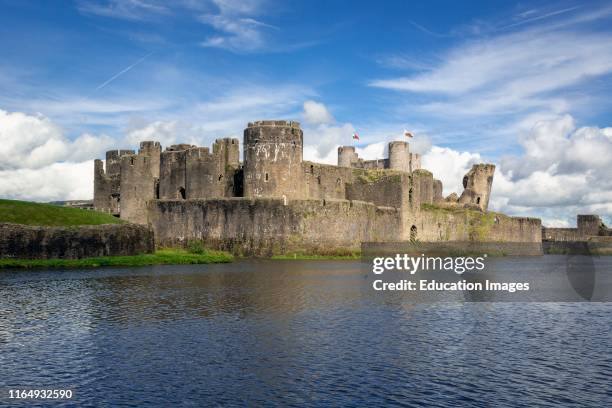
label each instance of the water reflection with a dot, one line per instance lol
(296, 333)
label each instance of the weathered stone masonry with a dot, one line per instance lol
(26, 241)
(275, 202)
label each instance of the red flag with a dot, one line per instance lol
(407, 133)
(355, 136)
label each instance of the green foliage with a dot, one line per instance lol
(161, 257)
(196, 247)
(338, 254)
(28, 213)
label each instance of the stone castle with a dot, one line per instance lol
(276, 202)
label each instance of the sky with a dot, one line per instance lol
(523, 85)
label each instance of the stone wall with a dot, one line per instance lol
(469, 225)
(562, 234)
(267, 226)
(587, 227)
(24, 241)
(385, 189)
(324, 181)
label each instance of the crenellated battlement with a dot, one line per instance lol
(274, 123)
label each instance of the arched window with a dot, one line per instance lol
(477, 200)
(182, 194)
(266, 176)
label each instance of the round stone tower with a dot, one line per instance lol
(273, 159)
(399, 157)
(346, 156)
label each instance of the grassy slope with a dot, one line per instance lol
(28, 213)
(160, 257)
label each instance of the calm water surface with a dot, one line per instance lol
(292, 333)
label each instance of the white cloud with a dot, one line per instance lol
(167, 133)
(562, 171)
(39, 163)
(325, 139)
(34, 141)
(54, 182)
(316, 113)
(449, 166)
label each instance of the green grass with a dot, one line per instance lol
(341, 255)
(160, 257)
(28, 213)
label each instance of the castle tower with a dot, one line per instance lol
(211, 175)
(107, 184)
(273, 159)
(588, 225)
(228, 150)
(346, 156)
(477, 185)
(139, 176)
(152, 150)
(399, 156)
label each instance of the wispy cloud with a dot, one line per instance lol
(509, 73)
(123, 9)
(237, 28)
(528, 16)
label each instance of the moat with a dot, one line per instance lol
(295, 332)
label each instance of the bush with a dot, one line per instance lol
(196, 247)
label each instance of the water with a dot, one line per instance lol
(292, 334)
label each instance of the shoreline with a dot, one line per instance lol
(167, 256)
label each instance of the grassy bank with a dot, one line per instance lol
(28, 213)
(160, 257)
(309, 257)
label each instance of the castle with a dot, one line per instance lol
(276, 202)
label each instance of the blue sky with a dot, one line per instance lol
(520, 84)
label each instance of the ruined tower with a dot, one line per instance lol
(107, 184)
(273, 159)
(346, 156)
(209, 175)
(399, 156)
(589, 225)
(477, 186)
(139, 177)
(172, 174)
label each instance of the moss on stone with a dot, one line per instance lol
(375, 175)
(422, 172)
(480, 225)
